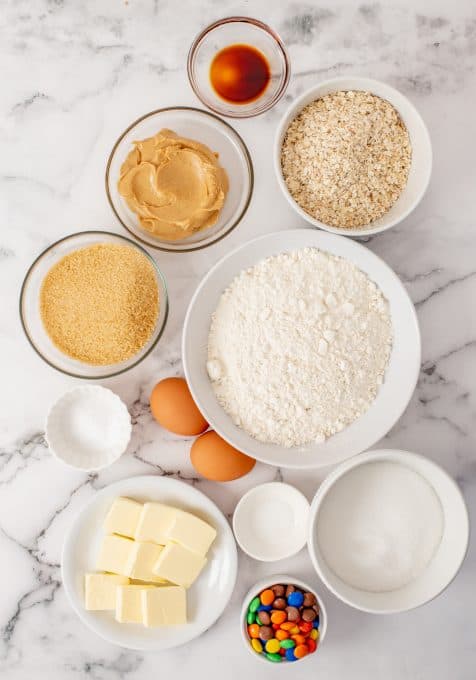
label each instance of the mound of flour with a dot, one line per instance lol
(298, 347)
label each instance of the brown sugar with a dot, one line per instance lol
(100, 304)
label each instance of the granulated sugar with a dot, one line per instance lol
(379, 526)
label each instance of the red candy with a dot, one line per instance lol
(311, 645)
(305, 626)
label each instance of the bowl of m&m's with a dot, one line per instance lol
(283, 620)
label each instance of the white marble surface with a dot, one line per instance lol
(74, 74)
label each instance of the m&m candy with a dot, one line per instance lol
(282, 622)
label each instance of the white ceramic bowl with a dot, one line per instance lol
(267, 505)
(266, 583)
(206, 599)
(88, 428)
(443, 567)
(400, 377)
(420, 170)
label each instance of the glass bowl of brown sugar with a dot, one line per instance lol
(94, 304)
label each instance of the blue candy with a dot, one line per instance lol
(315, 623)
(290, 655)
(295, 599)
(265, 608)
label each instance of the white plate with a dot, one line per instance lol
(206, 599)
(400, 377)
(422, 157)
(273, 504)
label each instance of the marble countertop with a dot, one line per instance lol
(74, 75)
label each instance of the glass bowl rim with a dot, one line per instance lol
(258, 24)
(26, 280)
(246, 155)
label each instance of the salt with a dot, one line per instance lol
(379, 526)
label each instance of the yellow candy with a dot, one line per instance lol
(314, 634)
(257, 646)
(294, 630)
(273, 646)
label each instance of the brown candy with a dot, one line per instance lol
(293, 613)
(289, 589)
(266, 633)
(308, 614)
(279, 603)
(265, 618)
(309, 599)
(278, 590)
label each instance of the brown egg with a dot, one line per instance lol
(215, 459)
(173, 407)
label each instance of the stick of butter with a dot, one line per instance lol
(164, 606)
(143, 558)
(129, 603)
(123, 517)
(179, 565)
(192, 532)
(100, 590)
(115, 555)
(155, 522)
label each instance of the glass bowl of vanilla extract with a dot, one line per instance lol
(238, 67)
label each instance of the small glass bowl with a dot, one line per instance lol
(208, 129)
(30, 311)
(232, 31)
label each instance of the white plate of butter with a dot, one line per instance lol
(149, 563)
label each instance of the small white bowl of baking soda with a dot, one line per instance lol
(388, 532)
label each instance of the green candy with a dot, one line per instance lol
(250, 618)
(287, 644)
(260, 623)
(276, 658)
(254, 604)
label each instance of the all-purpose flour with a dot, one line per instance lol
(379, 526)
(298, 347)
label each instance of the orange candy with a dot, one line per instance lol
(267, 597)
(300, 651)
(298, 639)
(253, 630)
(287, 625)
(281, 635)
(278, 616)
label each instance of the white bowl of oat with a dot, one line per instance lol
(353, 156)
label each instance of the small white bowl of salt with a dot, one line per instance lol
(88, 428)
(388, 531)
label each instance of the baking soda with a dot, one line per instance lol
(379, 526)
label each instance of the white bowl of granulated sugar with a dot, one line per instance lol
(353, 156)
(388, 531)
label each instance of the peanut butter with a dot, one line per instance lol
(174, 185)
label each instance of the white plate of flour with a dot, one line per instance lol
(310, 356)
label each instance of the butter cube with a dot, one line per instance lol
(179, 565)
(129, 603)
(155, 523)
(143, 558)
(100, 590)
(164, 606)
(123, 517)
(115, 555)
(192, 532)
